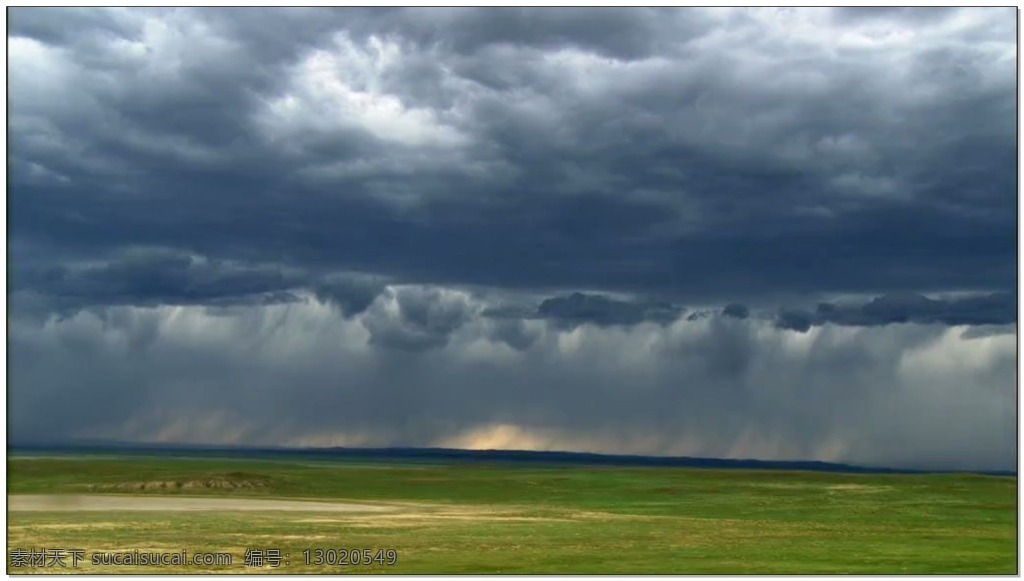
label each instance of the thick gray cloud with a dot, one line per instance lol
(992, 309)
(579, 308)
(436, 180)
(514, 333)
(153, 278)
(414, 319)
(736, 311)
(351, 294)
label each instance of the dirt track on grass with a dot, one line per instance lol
(98, 502)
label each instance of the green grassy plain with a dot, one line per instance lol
(474, 517)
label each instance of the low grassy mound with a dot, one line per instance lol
(227, 481)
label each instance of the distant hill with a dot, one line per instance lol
(449, 454)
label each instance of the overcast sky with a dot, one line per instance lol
(746, 233)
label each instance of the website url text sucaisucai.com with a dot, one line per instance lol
(30, 558)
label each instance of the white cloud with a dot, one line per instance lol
(340, 90)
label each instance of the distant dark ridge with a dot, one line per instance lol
(450, 454)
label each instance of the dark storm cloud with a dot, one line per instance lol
(66, 26)
(736, 311)
(514, 333)
(991, 309)
(575, 309)
(613, 32)
(579, 308)
(795, 320)
(700, 315)
(415, 319)
(352, 294)
(610, 136)
(157, 277)
(921, 15)
(303, 222)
